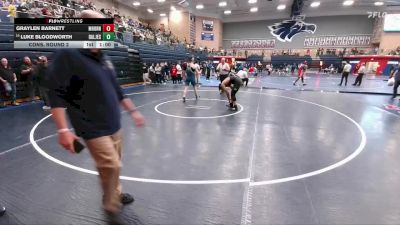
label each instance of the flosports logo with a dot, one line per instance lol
(287, 29)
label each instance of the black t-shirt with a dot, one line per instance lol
(27, 76)
(86, 85)
(7, 74)
(145, 69)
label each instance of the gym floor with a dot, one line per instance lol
(286, 157)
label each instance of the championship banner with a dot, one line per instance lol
(253, 44)
(338, 41)
(208, 25)
(207, 36)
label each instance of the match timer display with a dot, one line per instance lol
(64, 33)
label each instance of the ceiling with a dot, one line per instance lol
(267, 9)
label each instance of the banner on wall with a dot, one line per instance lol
(285, 31)
(207, 36)
(338, 41)
(253, 44)
(208, 25)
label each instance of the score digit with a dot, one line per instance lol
(108, 27)
(108, 36)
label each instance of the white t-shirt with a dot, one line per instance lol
(223, 69)
(362, 70)
(242, 74)
(347, 68)
(179, 69)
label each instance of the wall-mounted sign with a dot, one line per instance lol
(253, 44)
(287, 29)
(207, 36)
(208, 25)
(338, 41)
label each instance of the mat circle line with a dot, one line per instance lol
(231, 181)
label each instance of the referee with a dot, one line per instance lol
(83, 85)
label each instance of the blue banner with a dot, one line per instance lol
(4, 16)
(207, 36)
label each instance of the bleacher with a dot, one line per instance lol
(277, 60)
(151, 53)
(126, 61)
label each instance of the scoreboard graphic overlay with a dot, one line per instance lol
(63, 33)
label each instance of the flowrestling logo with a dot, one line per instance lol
(373, 15)
(287, 29)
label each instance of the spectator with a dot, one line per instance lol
(166, 71)
(28, 76)
(12, 11)
(179, 72)
(396, 74)
(8, 80)
(40, 78)
(145, 72)
(157, 70)
(174, 74)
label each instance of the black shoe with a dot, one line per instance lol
(340, 85)
(184, 99)
(2, 210)
(354, 84)
(113, 218)
(235, 108)
(126, 198)
(197, 97)
(304, 84)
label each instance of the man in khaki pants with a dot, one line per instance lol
(83, 83)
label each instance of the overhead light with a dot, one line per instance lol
(315, 4)
(222, 4)
(379, 3)
(200, 6)
(173, 8)
(281, 7)
(254, 9)
(348, 2)
(160, 1)
(163, 14)
(227, 12)
(136, 3)
(252, 1)
(150, 10)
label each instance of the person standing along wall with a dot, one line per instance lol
(8, 80)
(27, 74)
(41, 80)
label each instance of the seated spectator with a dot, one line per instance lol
(8, 80)
(12, 11)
